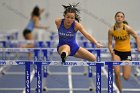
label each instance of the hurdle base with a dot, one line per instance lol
(67, 89)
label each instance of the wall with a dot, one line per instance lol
(96, 15)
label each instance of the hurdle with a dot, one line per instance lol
(70, 63)
(27, 67)
(12, 35)
(70, 77)
(39, 73)
(40, 62)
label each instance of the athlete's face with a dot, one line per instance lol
(69, 18)
(119, 18)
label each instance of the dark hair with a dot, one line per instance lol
(125, 22)
(25, 32)
(36, 11)
(119, 12)
(72, 9)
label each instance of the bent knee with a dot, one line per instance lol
(126, 77)
(93, 59)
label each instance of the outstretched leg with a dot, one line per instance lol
(85, 54)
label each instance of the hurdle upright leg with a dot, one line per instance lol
(110, 77)
(39, 77)
(27, 77)
(98, 77)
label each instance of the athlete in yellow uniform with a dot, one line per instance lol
(122, 39)
(122, 49)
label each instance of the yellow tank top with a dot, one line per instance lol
(122, 40)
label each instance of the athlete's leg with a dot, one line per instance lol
(64, 48)
(117, 77)
(85, 54)
(29, 36)
(117, 73)
(126, 71)
(64, 51)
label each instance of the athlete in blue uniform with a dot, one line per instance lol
(33, 23)
(67, 29)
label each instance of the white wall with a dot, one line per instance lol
(14, 14)
(96, 15)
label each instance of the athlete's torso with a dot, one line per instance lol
(122, 39)
(66, 36)
(30, 25)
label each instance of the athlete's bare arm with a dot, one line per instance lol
(110, 37)
(58, 22)
(79, 27)
(37, 25)
(134, 34)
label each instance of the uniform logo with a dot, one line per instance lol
(129, 58)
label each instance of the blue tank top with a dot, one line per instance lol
(30, 25)
(67, 36)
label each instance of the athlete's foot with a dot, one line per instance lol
(63, 57)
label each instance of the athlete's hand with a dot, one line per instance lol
(42, 10)
(99, 45)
